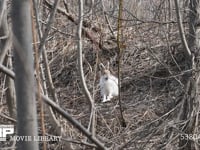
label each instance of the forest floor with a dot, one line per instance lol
(151, 89)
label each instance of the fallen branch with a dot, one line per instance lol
(88, 34)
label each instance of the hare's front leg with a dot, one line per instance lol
(109, 97)
(104, 98)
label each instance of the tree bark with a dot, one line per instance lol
(190, 104)
(24, 80)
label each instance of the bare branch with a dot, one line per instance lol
(73, 122)
(2, 10)
(51, 18)
(80, 67)
(86, 33)
(7, 71)
(181, 30)
(10, 92)
(46, 74)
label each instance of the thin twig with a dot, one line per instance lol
(79, 142)
(181, 30)
(107, 20)
(87, 33)
(51, 19)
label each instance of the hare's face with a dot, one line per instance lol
(106, 74)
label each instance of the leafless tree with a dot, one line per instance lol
(24, 79)
(190, 103)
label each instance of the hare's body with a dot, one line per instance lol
(108, 86)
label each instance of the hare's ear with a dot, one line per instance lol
(108, 66)
(102, 67)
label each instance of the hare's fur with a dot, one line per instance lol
(108, 85)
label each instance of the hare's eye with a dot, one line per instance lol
(106, 78)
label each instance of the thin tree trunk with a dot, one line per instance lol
(119, 45)
(81, 72)
(190, 105)
(24, 80)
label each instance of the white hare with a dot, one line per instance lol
(108, 84)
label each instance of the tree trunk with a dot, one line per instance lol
(24, 81)
(190, 105)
